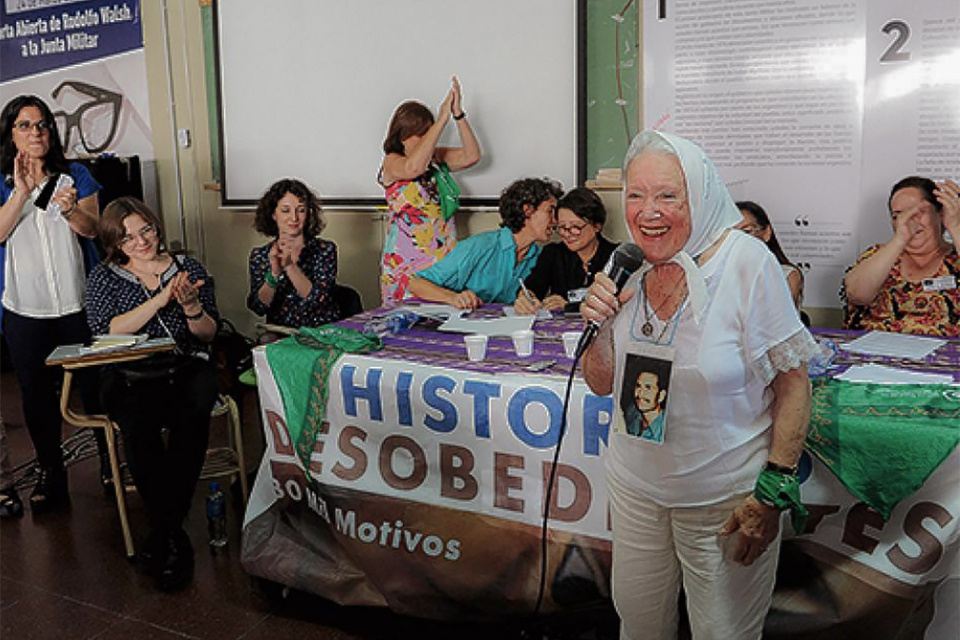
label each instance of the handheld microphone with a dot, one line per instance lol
(622, 263)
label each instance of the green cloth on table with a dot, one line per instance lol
(301, 364)
(883, 440)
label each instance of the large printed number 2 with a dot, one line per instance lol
(894, 52)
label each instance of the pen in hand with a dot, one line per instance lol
(526, 293)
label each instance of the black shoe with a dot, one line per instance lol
(152, 552)
(10, 504)
(50, 491)
(177, 569)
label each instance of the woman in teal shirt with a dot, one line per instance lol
(488, 267)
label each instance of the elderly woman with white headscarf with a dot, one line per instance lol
(699, 501)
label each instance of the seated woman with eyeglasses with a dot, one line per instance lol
(756, 222)
(292, 276)
(565, 269)
(489, 266)
(141, 288)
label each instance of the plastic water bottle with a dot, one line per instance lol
(64, 181)
(391, 324)
(216, 516)
(820, 364)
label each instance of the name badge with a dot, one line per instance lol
(576, 296)
(943, 283)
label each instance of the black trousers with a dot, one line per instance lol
(165, 472)
(30, 341)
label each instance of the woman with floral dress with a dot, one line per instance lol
(419, 233)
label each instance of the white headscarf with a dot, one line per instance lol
(712, 210)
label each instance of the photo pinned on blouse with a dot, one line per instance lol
(644, 392)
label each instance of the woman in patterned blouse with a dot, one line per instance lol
(292, 276)
(910, 284)
(141, 288)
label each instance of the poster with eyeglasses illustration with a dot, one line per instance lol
(86, 61)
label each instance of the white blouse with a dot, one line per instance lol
(718, 412)
(44, 265)
(787, 270)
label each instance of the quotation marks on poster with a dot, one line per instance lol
(804, 266)
(802, 221)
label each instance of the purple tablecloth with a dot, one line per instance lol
(446, 349)
(945, 360)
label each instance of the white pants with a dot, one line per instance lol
(655, 547)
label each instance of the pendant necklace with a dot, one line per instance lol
(647, 327)
(142, 276)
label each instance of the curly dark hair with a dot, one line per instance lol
(112, 230)
(523, 192)
(411, 118)
(585, 204)
(54, 162)
(924, 185)
(264, 222)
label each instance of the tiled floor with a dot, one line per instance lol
(64, 575)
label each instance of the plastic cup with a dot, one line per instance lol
(476, 347)
(570, 341)
(523, 342)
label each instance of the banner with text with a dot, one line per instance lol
(430, 483)
(85, 59)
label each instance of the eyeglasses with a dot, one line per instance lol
(146, 232)
(25, 126)
(571, 229)
(95, 120)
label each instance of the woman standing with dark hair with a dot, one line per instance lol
(292, 276)
(141, 288)
(419, 233)
(44, 254)
(565, 269)
(488, 267)
(911, 284)
(756, 222)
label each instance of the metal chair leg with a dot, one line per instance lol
(101, 422)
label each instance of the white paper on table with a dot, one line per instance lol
(488, 327)
(897, 345)
(880, 374)
(438, 311)
(115, 341)
(542, 314)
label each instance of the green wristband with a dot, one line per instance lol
(271, 280)
(782, 491)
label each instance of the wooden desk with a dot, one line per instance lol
(74, 357)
